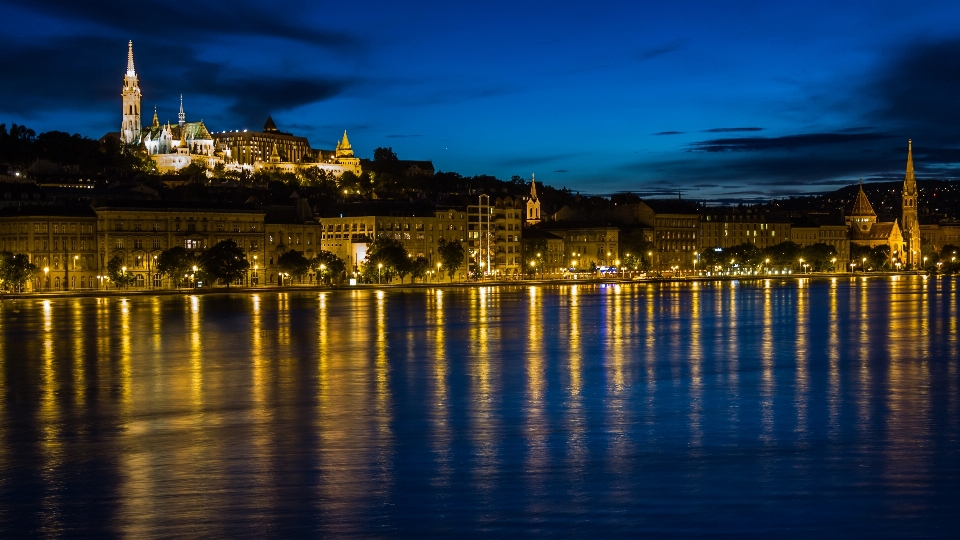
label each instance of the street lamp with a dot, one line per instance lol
(439, 275)
(379, 272)
(863, 267)
(46, 270)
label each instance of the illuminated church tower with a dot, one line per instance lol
(911, 227)
(533, 203)
(130, 129)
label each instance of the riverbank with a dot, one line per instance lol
(385, 286)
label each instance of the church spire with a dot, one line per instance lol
(533, 186)
(130, 126)
(156, 121)
(130, 70)
(182, 117)
(910, 225)
(910, 180)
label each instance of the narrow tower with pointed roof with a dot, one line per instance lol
(130, 128)
(182, 118)
(862, 216)
(533, 203)
(911, 226)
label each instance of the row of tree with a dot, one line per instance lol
(387, 259)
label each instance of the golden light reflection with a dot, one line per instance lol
(833, 360)
(801, 374)
(483, 425)
(695, 416)
(440, 417)
(767, 382)
(50, 422)
(125, 355)
(196, 354)
(78, 342)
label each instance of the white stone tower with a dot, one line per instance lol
(130, 129)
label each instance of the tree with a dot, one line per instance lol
(294, 263)
(635, 252)
(176, 263)
(783, 255)
(118, 274)
(451, 255)
(224, 262)
(15, 270)
(386, 257)
(533, 250)
(820, 256)
(328, 266)
(419, 267)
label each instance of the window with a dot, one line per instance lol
(73, 228)
(236, 227)
(155, 227)
(271, 239)
(191, 244)
(138, 244)
(219, 227)
(56, 229)
(156, 243)
(138, 226)
(56, 244)
(119, 243)
(73, 244)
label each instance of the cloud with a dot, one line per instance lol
(669, 133)
(86, 82)
(560, 171)
(183, 22)
(673, 46)
(787, 142)
(917, 91)
(732, 129)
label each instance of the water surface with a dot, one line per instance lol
(728, 409)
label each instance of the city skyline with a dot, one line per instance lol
(647, 99)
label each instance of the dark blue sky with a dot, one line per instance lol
(718, 99)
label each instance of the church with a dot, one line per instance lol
(173, 147)
(902, 238)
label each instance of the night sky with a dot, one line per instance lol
(717, 99)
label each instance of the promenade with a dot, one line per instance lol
(447, 285)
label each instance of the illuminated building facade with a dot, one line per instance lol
(130, 126)
(60, 240)
(139, 234)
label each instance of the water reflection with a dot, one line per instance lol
(484, 411)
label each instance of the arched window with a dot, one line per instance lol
(56, 283)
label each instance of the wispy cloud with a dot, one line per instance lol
(732, 129)
(673, 46)
(787, 142)
(669, 133)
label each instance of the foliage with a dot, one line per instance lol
(451, 255)
(783, 255)
(225, 262)
(635, 252)
(419, 267)
(386, 258)
(533, 250)
(821, 257)
(328, 266)
(175, 263)
(15, 270)
(118, 274)
(294, 263)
